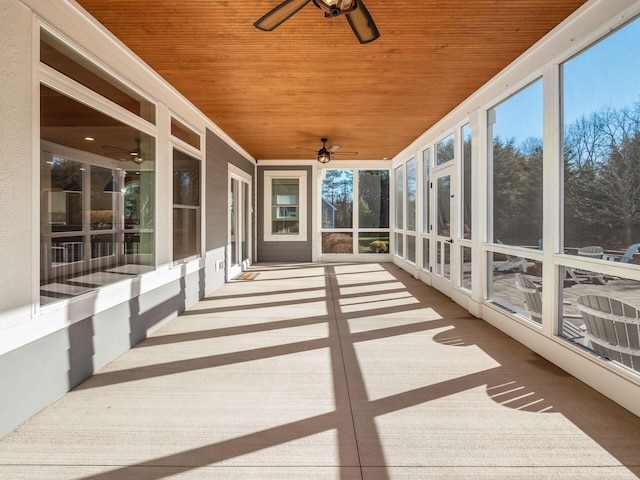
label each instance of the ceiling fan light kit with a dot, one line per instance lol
(357, 15)
(325, 155)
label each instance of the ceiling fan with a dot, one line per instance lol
(357, 15)
(325, 155)
(136, 155)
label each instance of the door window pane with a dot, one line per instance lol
(444, 206)
(515, 129)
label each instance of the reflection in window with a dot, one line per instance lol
(92, 218)
(67, 61)
(186, 206)
(445, 150)
(601, 116)
(285, 204)
(184, 133)
(515, 132)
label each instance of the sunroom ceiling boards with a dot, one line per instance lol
(311, 78)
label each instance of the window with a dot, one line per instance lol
(184, 133)
(467, 172)
(601, 116)
(186, 206)
(285, 206)
(65, 60)
(445, 150)
(340, 227)
(515, 136)
(426, 176)
(97, 199)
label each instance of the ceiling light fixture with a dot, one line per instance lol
(324, 157)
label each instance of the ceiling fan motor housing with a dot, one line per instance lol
(333, 8)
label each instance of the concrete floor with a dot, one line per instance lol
(327, 371)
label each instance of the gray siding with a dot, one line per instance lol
(283, 251)
(219, 155)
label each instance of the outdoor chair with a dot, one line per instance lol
(578, 275)
(613, 328)
(533, 305)
(511, 263)
(628, 255)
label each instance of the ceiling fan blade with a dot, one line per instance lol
(362, 24)
(334, 148)
(308, 149)
(345, 153)
(279, 14)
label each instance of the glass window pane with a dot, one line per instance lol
(186, 179)
(337, 197)
(186, 206)
(184, 133)
(373, 204)
(411, 248)
(399, 244)
(411, 195)
(515, 129)
(334, 242)
(467, 173)
(426, 169)
(399, 174)
(586, 317)
(97, 198)
(64, 59)
(62, 180)
(516, 291)
(465, 268)
(445, 150)
(601, 115)
(373, 242)
(426, 261)
(186, 233)
(444, 206)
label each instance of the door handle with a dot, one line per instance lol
(449, 241)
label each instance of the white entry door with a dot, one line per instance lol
(239, 239)
(444, 203)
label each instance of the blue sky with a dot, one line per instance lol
(607, 74)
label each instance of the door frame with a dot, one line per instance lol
(442, 240)
(241, 223)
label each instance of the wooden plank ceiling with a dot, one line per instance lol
(311, 78)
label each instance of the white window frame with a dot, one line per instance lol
(269, 176)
